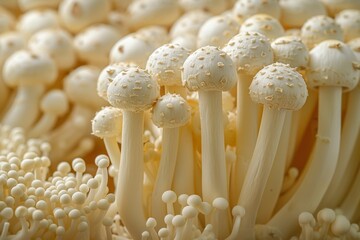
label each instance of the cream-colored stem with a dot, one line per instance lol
(165, 174)
(336, 191)
(112, 148)
(351, 203)
(129, 187)
(259, 169)
(274, 183)
(214, 180)
(246, 133)
(25, 108)
(183, 182)
(4, 94)
(322, 165)
(44, 125)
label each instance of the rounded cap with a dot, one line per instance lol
(55, 102)
(10, 42)
(295, 13)
(189, 23)
(33, 21)
(332, 63)
(217, 31)
(349, 21)
(355, 46)
(26, 5)
(264, 24)
(165, 64)
(155, 35)
(278, 86)
(244, 9)
(119, 20)
(170, 111)
(290, 50)
(107, 75)
(107, 123)
(335, 6)
(320, 28)
(133, 90)
(209, 69)
(212, 6)
(57, 44)
(250, 51)
(93, 45)
(27, 68)
(187, 41)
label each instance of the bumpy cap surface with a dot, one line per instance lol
(209, 69)
(247, 8)
(165, 64)
(133, 90)
(107, 122)
(332, 63)
(349, 21)
(250, 51)
(279, 86)
(189, 23)
(171, 111)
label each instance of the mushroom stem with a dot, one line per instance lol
(113, 150)
(322, 163)
(246, 133)
(259, 169)
(166, 171)
(214, 181)
(44, 125)
(351, 202)
(25, 107)
(131, 172)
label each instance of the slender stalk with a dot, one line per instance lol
(351, 202)
(113, 150)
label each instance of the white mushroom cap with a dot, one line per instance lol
(10, 42)
(36, 20)
(26, 5)
(296, 32)
(187, 41)
(355, 46)
(320, 28)
(250, 51)
(156, 35)
(80, 86)
(209, 69)
(278, 86)
(295, 13)
(57, 43)
(217, 31)
(332, 64)
(290, 50)
(170, 111)
(107, 123)
(107, 75)
(264, 24)
(153, 12)
(55, 102)
(93, 45)
(165, 64)
(349, 21)
(119, 21)
(189, 23)
(244, 9)
(27, 68)
(78, 14)
(133, 90)
(212, 6)
(7, 20)
(336, 6)
(132, 48)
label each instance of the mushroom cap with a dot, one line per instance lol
(156, 35)
(133, 90)
(153, 12)
(27, 68)
(107, 75)
(335, 6)
(264, 24)
(332, 64)
(320, 28)
(247, 8)
(250, 51)
(93, 45)
(10, 42)
(57, 43)
(170, 111)
(295, 13)
(119, 21)
(349, 21)
(290, 50)
(80, 86)
(217, 31)
(55, 102)
(26, 5)
(165, 64)
(78, 14)
(212, 6)
(278, 86)
(107, 123)
(209, 69)
(355, 46)
(187, 41)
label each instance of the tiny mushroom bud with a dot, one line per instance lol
(244, 9)
(349, 21)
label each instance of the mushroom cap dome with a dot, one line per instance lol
(278, 86)
(349, 21)
(107, 122)
(247, 8)
(55, 102)
(209, 69)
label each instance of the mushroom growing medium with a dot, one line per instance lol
(210, 71)
(134, 91)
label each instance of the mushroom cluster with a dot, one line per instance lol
(139, 119)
